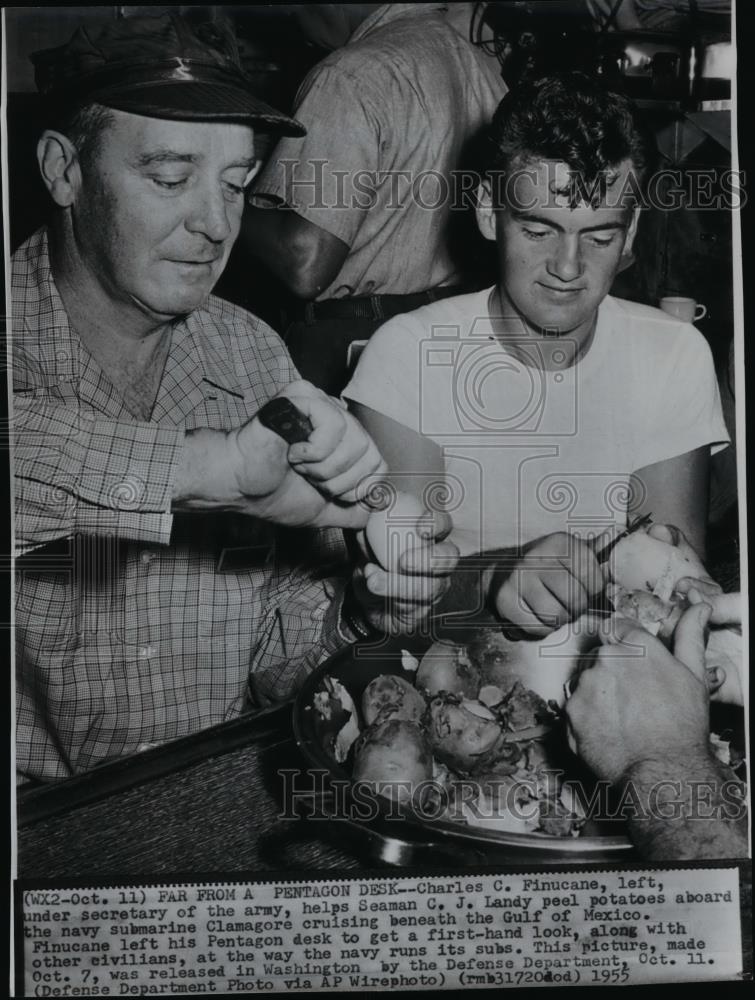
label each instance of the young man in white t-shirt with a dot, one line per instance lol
(550, 410)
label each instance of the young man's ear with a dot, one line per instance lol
(485, 211)
(59, 165)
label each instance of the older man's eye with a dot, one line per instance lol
(169, 184)
(233, 191)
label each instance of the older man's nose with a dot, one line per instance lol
(210, 216)
(565, 262)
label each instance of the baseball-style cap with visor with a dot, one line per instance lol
(159, 67)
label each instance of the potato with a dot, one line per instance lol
(390, 697)
(394, 758)
(654, 615)
(446, 667)
(641, 562)
(524, 708)
(542, 665)
(460, 739)
(393, 531)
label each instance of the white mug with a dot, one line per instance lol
(683, 308)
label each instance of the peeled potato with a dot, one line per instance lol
(394, 757)
(392, 532)
(390, 697)
(459, 738)
(654, 615)
(446, 667)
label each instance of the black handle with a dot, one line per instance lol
(285, 419)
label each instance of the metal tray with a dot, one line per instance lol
(413, 837)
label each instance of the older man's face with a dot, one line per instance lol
(158, 212)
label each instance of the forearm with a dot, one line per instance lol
(298, 253)
(689, 808)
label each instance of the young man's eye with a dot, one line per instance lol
(602, 241)
(536, 234)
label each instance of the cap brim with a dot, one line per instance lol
(195, 101)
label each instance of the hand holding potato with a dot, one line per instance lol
(398, 598)
(553, 583)
(638, 702)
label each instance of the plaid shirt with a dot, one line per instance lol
(135, 625)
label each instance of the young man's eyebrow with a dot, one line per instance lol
(543, 221)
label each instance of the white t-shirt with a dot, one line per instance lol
(529, 451)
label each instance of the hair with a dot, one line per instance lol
(569, 118)
(84, 125)
(533, 37)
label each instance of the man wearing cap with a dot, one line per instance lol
(151, 584)
(355, 218)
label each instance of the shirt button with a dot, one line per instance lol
(145, 652)
(146, 557)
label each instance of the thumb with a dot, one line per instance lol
(668, 533)
(689, 639)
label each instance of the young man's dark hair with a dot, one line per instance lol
(569, 118)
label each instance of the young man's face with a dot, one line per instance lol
(557, 263)
(157, 214)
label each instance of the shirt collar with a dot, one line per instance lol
(209, 352)
(390, 12)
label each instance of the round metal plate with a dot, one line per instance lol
(355, 667)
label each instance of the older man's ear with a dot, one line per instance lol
(59, 166)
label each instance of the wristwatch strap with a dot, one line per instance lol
(352, 616)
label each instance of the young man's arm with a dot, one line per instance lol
(415, 462)
(675, 491)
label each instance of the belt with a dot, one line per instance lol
(375, 307)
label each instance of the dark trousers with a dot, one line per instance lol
(319, 335)
(320, 349)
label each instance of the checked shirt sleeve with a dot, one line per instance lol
(79, 473)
